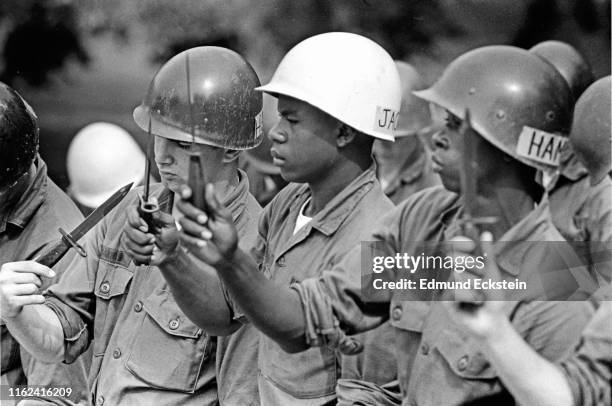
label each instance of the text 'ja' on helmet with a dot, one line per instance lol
(18, 136)
(347, 76)
(569, 62)
(590, 136)
(217, 103)
(414, 113)
(517, 101)
(102, 157)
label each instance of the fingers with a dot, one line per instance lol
(192, 243)
(22, 289)
(462, 244)
(28, 267)
(26, 278)
(135, 221)
(20, 301)
(192, 212)
(194, 229)
(163, 219)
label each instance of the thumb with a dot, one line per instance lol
(163, 219)
(216, 207)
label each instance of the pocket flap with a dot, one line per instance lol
(163, 309)
(114, 281)
(464, 358)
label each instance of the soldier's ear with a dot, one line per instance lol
(346, 135)
(230, 155)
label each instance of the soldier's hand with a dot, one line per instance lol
(480, 311)
(20, 286)
(145, 247)
(212, 237)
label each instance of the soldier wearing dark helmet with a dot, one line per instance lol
(32, 208)
(580, 208)
(514, 98)
(201, 102)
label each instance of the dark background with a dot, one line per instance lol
(91, 60)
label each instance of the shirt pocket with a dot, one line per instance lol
(168, 350)
(464, 359)
(112, 283)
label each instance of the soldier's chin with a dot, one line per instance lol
(450, 184)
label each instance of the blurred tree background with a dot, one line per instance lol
(91, 60)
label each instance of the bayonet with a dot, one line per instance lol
(70, 240)
(196, 178)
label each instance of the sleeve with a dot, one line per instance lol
(72, 297)
(589, 370)
(335, 305)
(552, 328)
(257, 250)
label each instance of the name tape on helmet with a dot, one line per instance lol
(386, 120)
(540, 146)
(259, 125)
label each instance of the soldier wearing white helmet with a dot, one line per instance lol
(102, 157)
(404, 166)
(337, 92)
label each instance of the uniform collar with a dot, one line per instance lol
(412, 169)
(34, 196)
(329, 219)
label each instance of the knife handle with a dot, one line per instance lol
(52, 256)
(146, 210)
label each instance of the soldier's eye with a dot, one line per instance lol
(452, 121)
(184, 145)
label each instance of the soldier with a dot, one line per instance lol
(581, 210)
(32, 208)
(585, 377)
(337, 93)
(512, 96)
(102, 157)
(146, 350)
(404, 167)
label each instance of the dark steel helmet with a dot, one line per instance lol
(224, 111)
(568, 61)
(18, 136)
(590, 136)
(518, 102)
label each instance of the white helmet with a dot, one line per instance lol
(102, 157)
(347, 76)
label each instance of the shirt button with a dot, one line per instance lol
(105, 287)
(138, 307)
(173, 324)
(424, 349)
(99, 400)
(463, 362)
(116, 353)
(281, 261)
(397, 313)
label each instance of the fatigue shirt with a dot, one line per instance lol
(589, 369)
(310, 377)
(367, 377)
(26, 228)
(583, 214)
(415, 175)
(448, 368)
(145, 350)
